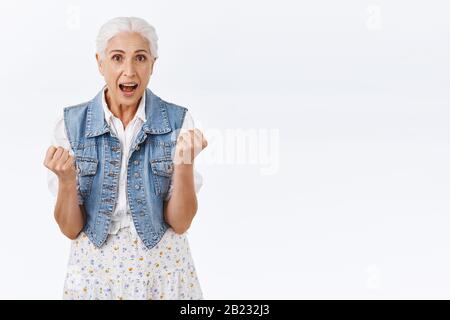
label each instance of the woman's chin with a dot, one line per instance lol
(128, 94)
(129, 97)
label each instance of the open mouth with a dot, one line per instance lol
(128, 87)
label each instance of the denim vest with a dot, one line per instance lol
(97, 153)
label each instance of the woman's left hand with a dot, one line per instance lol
(189, 145)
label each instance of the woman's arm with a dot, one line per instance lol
(181, 208)
(69, 214)
(181, 202)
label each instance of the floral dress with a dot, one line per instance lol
(124, 268)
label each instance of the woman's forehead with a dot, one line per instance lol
(128, 42)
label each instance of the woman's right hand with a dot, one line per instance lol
(58, 160)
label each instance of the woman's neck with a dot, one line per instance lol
(123, 112)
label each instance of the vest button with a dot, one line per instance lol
(137, 148)
(136, 186)
(136, 162)
(136, 174)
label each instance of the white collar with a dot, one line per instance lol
(140, 113)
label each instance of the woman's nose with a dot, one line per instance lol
(129, 68)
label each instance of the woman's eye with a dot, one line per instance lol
(141, 58)
(116, 57)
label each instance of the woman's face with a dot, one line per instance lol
(126, 67)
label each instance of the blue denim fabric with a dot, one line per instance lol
(98, 153)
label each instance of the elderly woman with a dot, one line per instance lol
(122, 168)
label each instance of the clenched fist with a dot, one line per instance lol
(189, 144)
(58, 160)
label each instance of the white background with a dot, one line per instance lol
(358, 91)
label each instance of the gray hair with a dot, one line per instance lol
(127, 24)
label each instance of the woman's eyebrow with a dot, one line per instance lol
(141, 50)
(121, 51)
(116, 50)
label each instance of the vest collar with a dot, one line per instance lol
(157, 121)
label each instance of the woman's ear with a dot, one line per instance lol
(99, 63)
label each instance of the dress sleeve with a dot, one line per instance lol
(59, 139)
(188, 124)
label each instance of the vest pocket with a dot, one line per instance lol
(86, 168)
(162, 170)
